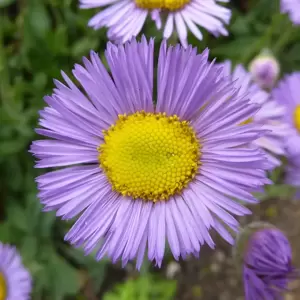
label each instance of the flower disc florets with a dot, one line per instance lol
(149, 156)
(170, 5)
(3, 287)
(297, 117)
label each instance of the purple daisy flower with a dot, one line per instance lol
(270, 116)
(15, 280)
(126, 18)
(267, 268)
(138, 173)
(292, 8)
(286, 94)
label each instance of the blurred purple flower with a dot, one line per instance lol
(265, 70)
(267, 266)
(15, 280)
(287, 94)
(270, 116)
(293, 165)
(125, 19)
(292, 8)
(141, 174)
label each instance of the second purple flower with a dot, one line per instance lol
(125, 19)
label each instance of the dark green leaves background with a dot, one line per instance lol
(38, 38)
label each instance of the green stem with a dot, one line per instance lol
(3, 65)
(284, 40)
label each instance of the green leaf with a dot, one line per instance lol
(29, 247)
(17, 217)
(38, 18)
(96, 269)
(5, 232)
(145, 287)
(46, 223)
(10, 147)
(235, 48)
(64, 278)
(4, 3)
(83, 46)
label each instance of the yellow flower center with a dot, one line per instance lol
(248, 121)
(162, 4)
(149, 156)
(3, 289)
(297, 118)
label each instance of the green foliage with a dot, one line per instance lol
(56, 267)
(261, 26)
(38, 38)
(143, 288)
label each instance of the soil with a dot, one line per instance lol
(214, 276)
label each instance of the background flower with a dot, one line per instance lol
(267, 268)
(286, 94)
(292, 8)
(15, 280)
(123, 18)
(270, 117)
(207, 14)
(126, 18)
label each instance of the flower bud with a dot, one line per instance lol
(265, 69)
(265, 255)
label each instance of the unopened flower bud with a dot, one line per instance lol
(264, 254)
(265, 69)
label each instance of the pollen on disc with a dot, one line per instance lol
(297, 118)
(170, 5)
(3, 287)
(149, 156)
